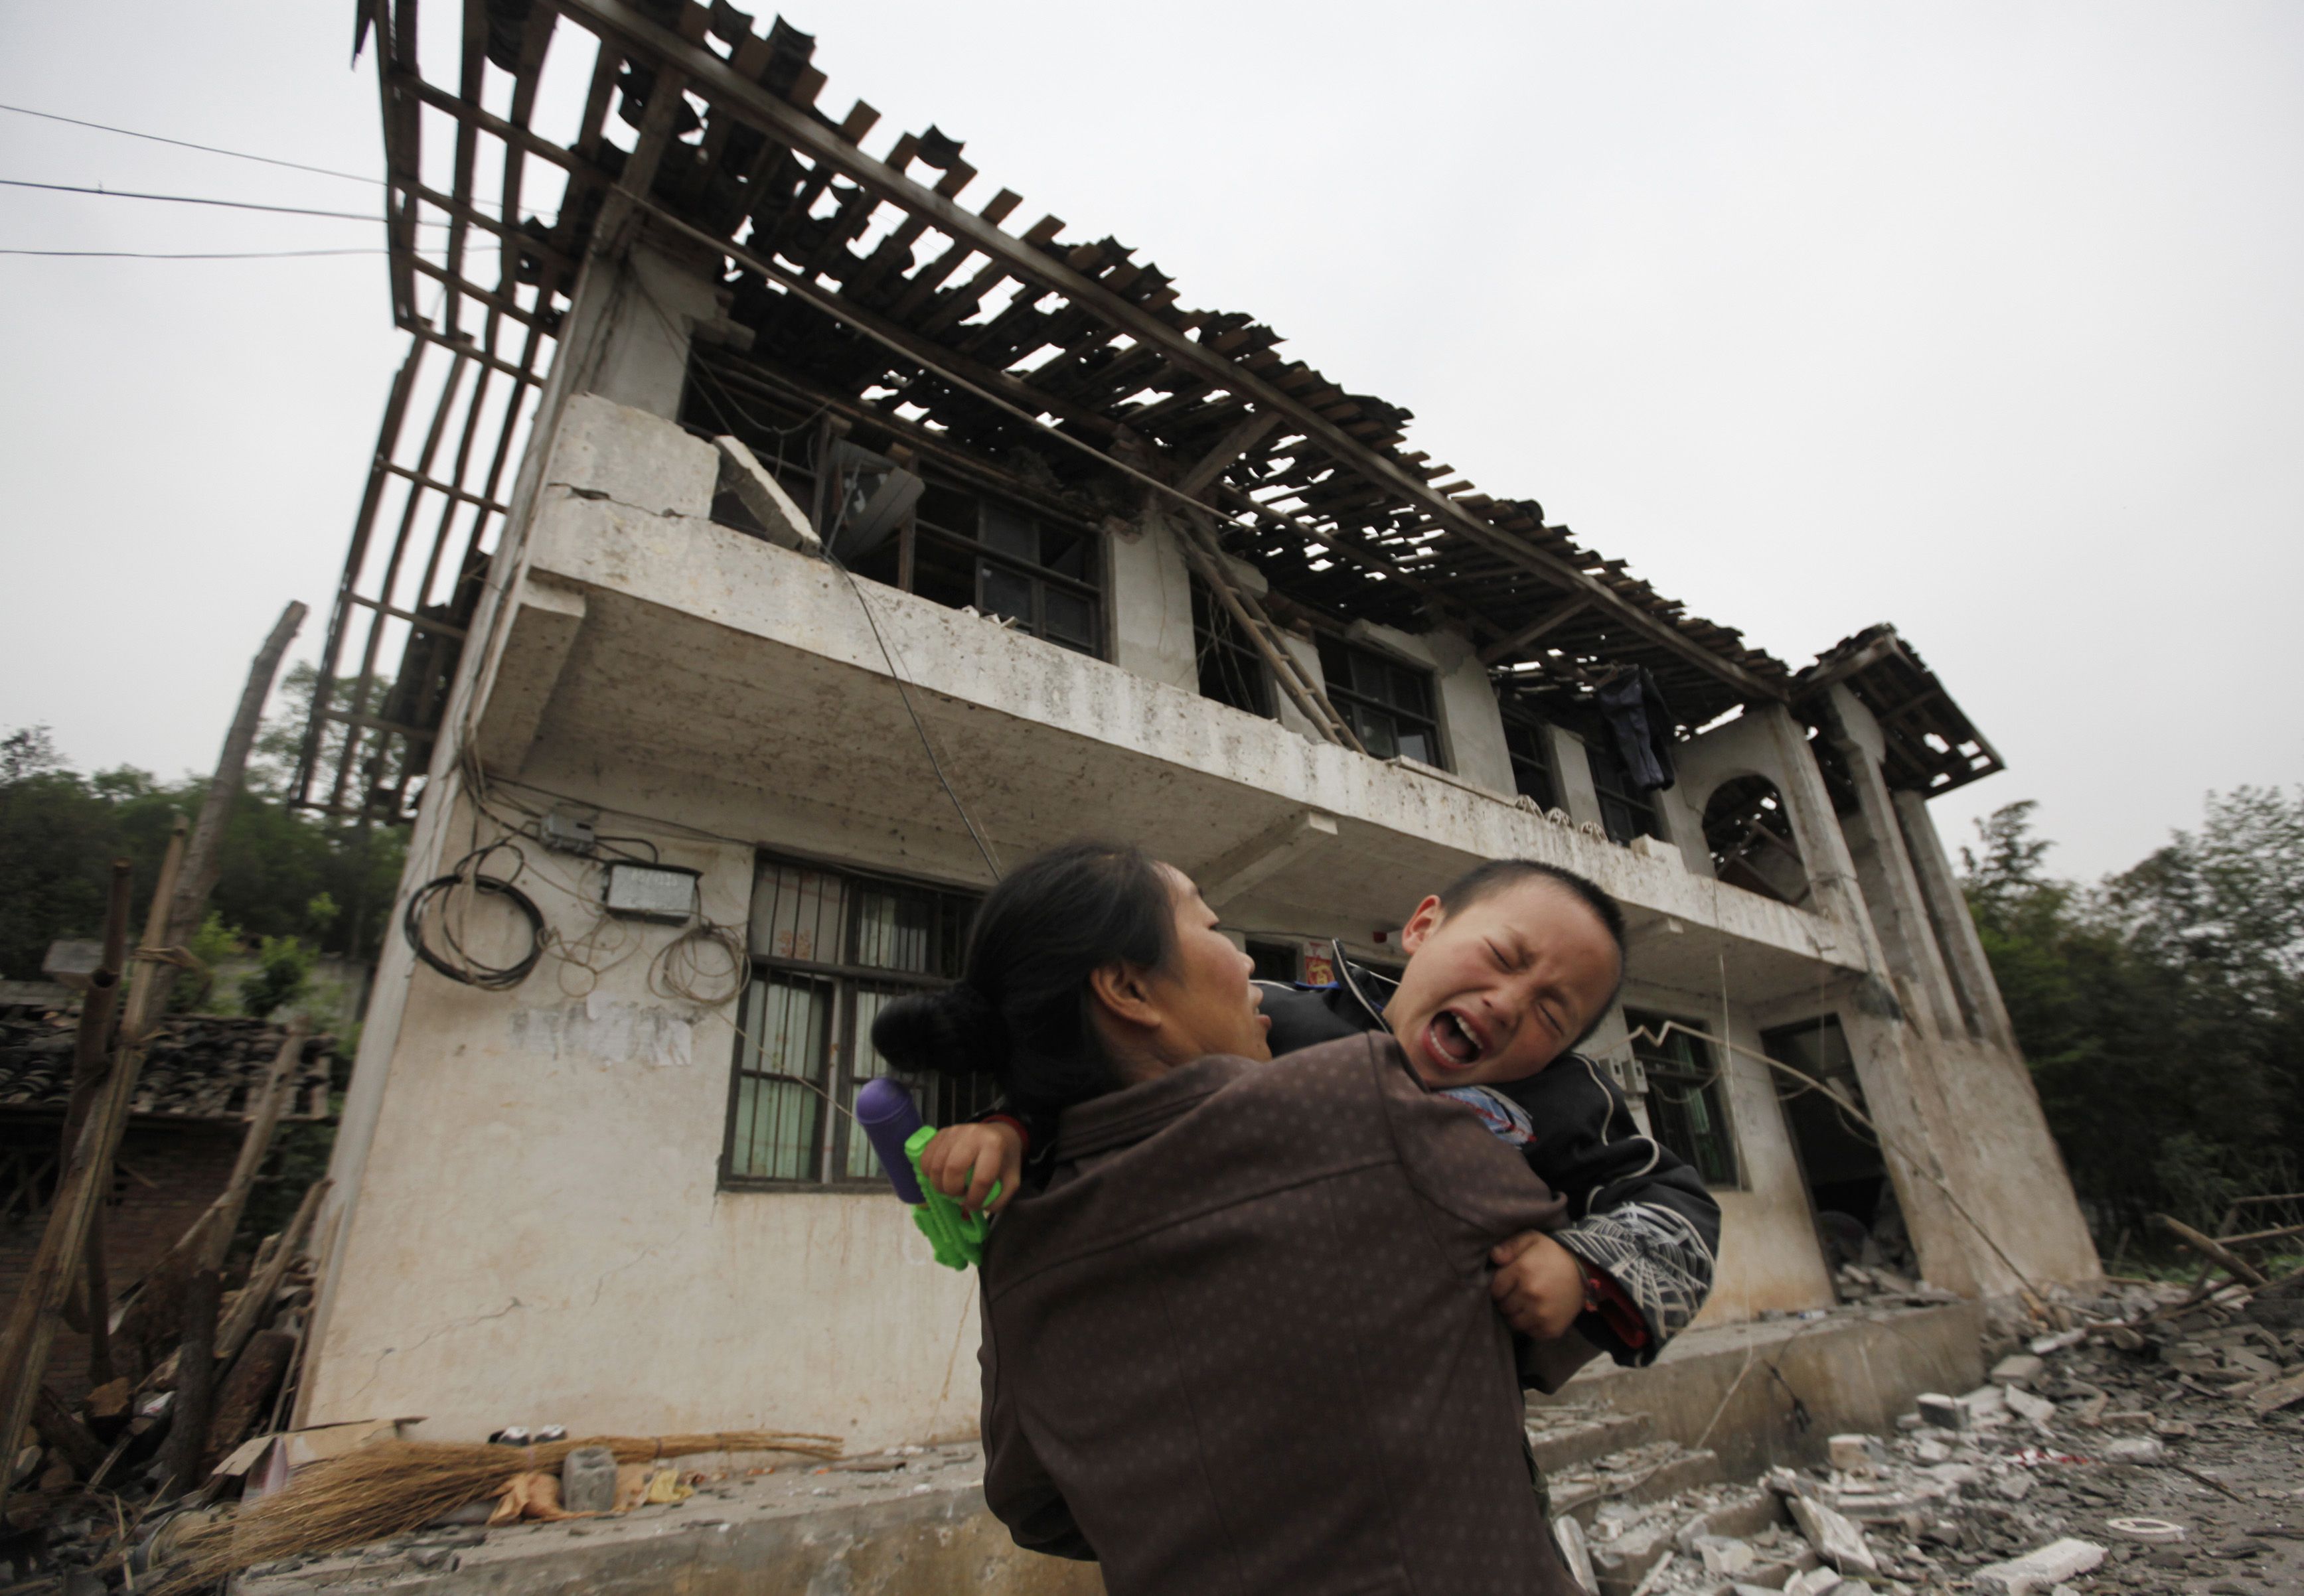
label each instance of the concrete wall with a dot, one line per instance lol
(541, 1238)
(1151, 601)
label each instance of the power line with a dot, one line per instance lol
(152, 254)
(236, 155)
(237, 205)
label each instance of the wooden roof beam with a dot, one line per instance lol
(716, 81)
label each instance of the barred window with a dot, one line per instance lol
(830, 948)
(1687, 1109)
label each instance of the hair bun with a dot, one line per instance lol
(958, 1030)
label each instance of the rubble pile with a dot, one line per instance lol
(197, 1067)
(2151, 1444)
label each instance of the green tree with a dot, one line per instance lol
(2162, 1010)
(60, 829)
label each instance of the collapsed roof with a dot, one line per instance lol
(888, 288)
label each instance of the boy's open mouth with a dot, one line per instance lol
(1452, 1041)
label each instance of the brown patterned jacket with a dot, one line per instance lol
(1242, 1343)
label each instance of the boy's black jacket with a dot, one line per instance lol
(1640, 1211)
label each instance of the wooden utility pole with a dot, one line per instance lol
(204, 861)
(91, 1062)
(85, 1176)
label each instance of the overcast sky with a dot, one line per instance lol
(1984, 320)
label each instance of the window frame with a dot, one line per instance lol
(896, 564)
(1620, 804)
(830, 1139)
(1216, 642)
(1352, 701)
(1518, 723)
(1709, 1084)
(1092, 589)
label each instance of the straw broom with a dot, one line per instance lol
(391, 1487)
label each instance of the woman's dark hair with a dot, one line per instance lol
(1020, 1011)
(1485, 880)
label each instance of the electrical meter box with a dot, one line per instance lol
(638, 892)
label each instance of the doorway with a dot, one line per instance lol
(1858, 1219)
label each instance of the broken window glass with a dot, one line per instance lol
(1231, 671)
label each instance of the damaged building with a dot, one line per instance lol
(768, 539)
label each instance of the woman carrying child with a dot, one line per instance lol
(1240, 1336)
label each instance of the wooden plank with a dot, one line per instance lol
(1543, 625)
(714, 78)
(82, 1182)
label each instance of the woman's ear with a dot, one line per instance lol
(1122, 995)
(1421, 924)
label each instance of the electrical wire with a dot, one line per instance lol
(237, 204)
(203, 255)
(236, 155)
(675, 972)
(458, 964)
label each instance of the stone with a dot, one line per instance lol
(1928, 1450)
(1575, 1552)
(2042, 1346)
(2019, 1368)
(2040, 1571)
(1811, 1581)
(1946, 1413)
(2134, 1449)
(2038, 1409)
(1852, 1454)
(1836, 1540)
(587, 1480)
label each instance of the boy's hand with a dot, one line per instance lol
(962, 1161)
(1539, 1285)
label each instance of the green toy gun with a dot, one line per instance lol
(892, 1121)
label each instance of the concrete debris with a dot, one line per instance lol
(2018, 1368)
(2135, 1448)
(2039, 1571)
(1575, 1553)
(1836, 1540)
(1852, 1454)
(2039, 1410)
(2152, 1531)
(587, 1480)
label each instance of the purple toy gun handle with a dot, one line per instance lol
(889, 1117)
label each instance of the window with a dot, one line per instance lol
(1530, 746)
(958, 546)
(1231, 671)
(1274, 961)
(1750, 836)
(829, 951)
(1687, 1111)
(1625, 812)
(963, 550)
(1388, 704)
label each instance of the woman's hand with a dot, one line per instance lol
(1539, 1285)
(962, 1161)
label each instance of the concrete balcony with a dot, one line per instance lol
(661, 662)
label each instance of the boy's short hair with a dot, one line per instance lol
(1487, 880)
